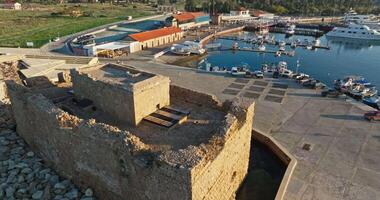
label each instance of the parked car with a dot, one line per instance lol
(259, 74)
(372, 116)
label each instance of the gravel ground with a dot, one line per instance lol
(23, 174)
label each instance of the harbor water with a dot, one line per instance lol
(345, 57)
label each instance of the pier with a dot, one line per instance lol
(234, 38)
(298, 31)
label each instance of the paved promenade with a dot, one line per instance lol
(336, 149)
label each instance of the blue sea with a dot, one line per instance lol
(345, 57)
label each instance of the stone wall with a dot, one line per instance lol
(117, 165)
(130, 106)
(220, 177)
(113, 162)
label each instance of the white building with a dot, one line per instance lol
(12, 6)
(241, 14)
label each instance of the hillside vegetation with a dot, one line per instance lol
(41, 23)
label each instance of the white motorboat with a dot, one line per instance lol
(261, 48)
(290, 30)
(317, 42)
(180, 49)
(281, 43)
(369, 20)
(355, 31)
(278, 54)
(281, 49)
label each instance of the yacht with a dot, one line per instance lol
(355, 31)
(368, 20)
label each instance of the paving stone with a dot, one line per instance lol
(273, 99)
(241, 80)
(277, 92)
(236, 86)
(278, 85)
(230, 92)
(256, 89)
(260, 83)
(251, 95)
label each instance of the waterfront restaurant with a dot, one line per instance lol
(188, 20)
(157, 37)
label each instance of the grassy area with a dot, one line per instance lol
(40, 23)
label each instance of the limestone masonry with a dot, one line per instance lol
(121, 132)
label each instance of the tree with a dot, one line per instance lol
(190, 5)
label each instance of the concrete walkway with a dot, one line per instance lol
(336, 149)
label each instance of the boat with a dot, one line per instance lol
(278, 54)
(356, 87)
(194, 47)
(369, 20)
(261, 48)
(180, 49)
(235, 46)
(239, 71)
(282, 68)
(372, 101)
(290, 30)
(281, 49)
(316, 42)
(309, 47)
(293, 45)
(355, 31)
(281, 43)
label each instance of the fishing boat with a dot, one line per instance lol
(356, 87)
(372, 101)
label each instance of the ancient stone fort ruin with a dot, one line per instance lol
(129, 134)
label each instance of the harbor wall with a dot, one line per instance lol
(209, 37)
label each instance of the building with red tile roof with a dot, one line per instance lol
(187, 20)
(157, 37)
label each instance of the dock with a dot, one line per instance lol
(234, 38)
(298, 31)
